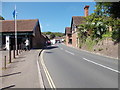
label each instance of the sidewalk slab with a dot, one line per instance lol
(23, 71)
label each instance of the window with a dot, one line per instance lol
(70, 41)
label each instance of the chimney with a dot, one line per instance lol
(86, 11)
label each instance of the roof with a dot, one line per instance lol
(22, 25)
(78, 20)
(45, 36)
(68, 30)
(87, 6)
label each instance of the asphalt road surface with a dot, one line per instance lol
(72, 68)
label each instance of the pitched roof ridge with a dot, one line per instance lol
(67, 27)
(21, 20)
(77, 16)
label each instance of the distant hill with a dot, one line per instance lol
(54, 34)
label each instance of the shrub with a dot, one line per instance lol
(116, 35)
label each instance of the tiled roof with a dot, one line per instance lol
(68, 30)
(22, 25)
(87, 6)
(78, 20)
(45, 36)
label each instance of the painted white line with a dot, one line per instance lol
(91, 52)
(102, 65)
(69, 52)
(39, 75)
(50, 81)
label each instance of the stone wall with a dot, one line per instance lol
(105, 47)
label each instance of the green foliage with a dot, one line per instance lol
(100, 49)
(54, 34)
(116, 30)
(107, 35)
(108, 8)
(47, 33)
(1, 18)
(94, 27)
(58, 34)
(97, 25)
(90, 43)
(116, 36)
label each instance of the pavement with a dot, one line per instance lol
(23, 72)
(60, 66)
(71, 68)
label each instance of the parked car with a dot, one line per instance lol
(48, 42)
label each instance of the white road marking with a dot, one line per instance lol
(40, 77)
(69, 52)
(102, 65)
(50, 81)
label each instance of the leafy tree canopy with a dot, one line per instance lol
(54, 34)
(1, 18)
(108, 8)
(97, 24)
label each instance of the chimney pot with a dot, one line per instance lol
(86, 11)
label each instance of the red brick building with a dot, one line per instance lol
(68, 34)
(26, 29)
(76, 20)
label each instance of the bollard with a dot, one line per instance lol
(5, 63)
(13, 51)
(19, 48)
(17, 51)
(10, 55)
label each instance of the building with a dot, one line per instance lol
(68, 36)
(76, 20)
(57, 40)
(45, 39)
(26, 29)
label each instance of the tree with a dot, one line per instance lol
(48, 33)
(1, 18)
(97, 23)
(109, 8)
(115, 9)
(52, 36)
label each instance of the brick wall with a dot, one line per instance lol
(68, 37)
(74, 39)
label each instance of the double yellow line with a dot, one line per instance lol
(50, 81)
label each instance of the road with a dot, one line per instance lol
(72, 68)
